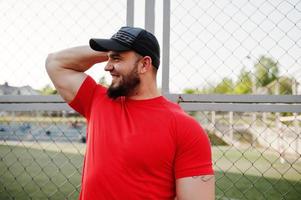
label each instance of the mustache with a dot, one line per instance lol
(126, 85)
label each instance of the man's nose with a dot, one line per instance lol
(109, 67)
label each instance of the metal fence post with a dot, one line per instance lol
(166, 47)
(150, 15)
(130, 13)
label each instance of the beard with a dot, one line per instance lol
(125, 86)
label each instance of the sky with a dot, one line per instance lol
(209, 40)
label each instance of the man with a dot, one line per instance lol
(139, 144)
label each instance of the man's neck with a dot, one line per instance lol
(145, 92)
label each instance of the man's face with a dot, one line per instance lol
(123, 66)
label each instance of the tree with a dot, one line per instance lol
(244, 83)
(48, 90)
(266, 71)
(224, 87)
(285, 86)
(191, 91)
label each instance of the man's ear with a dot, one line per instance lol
(146, 64)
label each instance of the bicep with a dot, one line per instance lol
(196, 188)
(66, 81)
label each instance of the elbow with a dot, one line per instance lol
(49, 61)
(52, 63)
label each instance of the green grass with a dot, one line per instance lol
(32, 173)
(239, 186)
(256, 174)
(27, 173)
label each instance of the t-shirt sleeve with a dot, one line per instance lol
(193, 153)
(83, 99)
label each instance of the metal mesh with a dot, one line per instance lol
(212, 41)
(228, 47)
(258, 158)
(41, 155)
(254, 158)
(243, 47)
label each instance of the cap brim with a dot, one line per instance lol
(106, 45)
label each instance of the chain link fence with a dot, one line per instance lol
(216, 47)
(223, 46)
(41, 155)
(242, 47)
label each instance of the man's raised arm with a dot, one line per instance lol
(66, 68)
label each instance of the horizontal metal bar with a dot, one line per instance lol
(31, 99)
(222, 98)
(212, 102)
(239, 107)
(206, 98)
(34, 107)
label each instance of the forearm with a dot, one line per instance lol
(77, 58)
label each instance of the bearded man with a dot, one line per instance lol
(139, 144)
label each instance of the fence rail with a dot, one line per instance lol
(210, 102)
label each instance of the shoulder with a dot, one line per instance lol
(185, 125)
(89, 89)
(188, 126)
(173, 108)
(85, 96)
(182, 121)
(180, 116)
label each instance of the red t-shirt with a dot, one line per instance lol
(137, 148)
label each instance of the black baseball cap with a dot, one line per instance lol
(130, 38)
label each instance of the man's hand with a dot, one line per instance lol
(66, 68)
(196, 188)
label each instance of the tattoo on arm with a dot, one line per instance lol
(204, 178)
